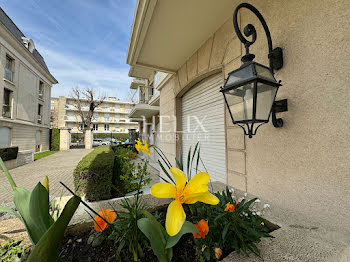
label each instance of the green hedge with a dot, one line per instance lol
(8, 153)
(55, 139)
(94, 174)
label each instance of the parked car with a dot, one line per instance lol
(105, 142)
(97, 141)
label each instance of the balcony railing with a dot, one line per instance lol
(8, 74)
(41, 95)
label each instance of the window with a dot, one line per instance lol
(106, 117)
(6, 108)
(95, 117)
(5, 136)
(106, 127)
(37, 141)
(95, 127)
(41, 90)
(9, 68)
(81, 126)
(40, 111)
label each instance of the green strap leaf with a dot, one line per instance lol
(198, 157)
(152, 231)
(40, 207)
(21, 198)
(187, 227)
(10, 211)
(166, 172)
(148, 215)
(8, 175)
(34, 210)
(48, 247)
(188, 164)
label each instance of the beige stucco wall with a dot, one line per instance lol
(305, 164)
(24, 100)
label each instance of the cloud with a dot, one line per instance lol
(75, 71)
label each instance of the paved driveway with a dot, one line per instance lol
(58, 167)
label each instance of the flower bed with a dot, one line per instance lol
(76, 246)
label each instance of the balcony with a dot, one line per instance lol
(70, 119)
(141, 111)
(136, 82)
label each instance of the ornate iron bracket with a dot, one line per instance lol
(275, 56)
(278, 107)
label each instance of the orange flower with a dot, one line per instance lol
(218, 252)
(203, 229)
(230, 207)
(108, 214)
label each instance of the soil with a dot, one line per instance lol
(75, 247)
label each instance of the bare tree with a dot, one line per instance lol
(86, 98)
(132, 96)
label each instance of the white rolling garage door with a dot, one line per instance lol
(203, 120)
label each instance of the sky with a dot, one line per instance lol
(84, 42)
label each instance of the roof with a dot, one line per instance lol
(14, 30)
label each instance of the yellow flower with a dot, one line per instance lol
(142, 146)
(45, 183)
(195, 190)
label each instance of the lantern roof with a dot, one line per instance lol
(248, 72)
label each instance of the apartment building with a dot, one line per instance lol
(110, 117)
(54, 112)
(25, 92)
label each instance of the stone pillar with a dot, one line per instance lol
(88, 139)
(146, 130)
(64, 139)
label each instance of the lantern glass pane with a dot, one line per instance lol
(264, 72)
(265, 98)
(240, 102)
(239, 75)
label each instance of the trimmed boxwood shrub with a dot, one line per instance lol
(93, 176)
(55, 139)
(8, 153)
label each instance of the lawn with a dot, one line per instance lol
(44, 154)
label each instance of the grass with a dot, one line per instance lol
(44, 154)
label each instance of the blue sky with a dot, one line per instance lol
(84, 42)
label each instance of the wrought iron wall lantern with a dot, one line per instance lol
(250, 90)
